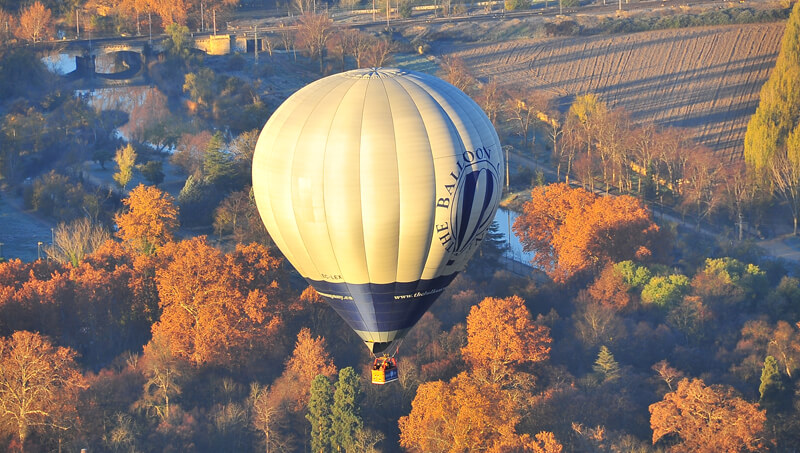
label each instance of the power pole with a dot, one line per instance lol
(215, 20)
(255, 41)
(77, 24)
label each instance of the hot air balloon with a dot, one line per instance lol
(378, 185)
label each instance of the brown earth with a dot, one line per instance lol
(705, 79)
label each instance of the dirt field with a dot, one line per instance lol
(706, 79)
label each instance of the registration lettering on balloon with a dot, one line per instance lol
(472, 193)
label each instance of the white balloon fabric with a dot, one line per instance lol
(378, 185)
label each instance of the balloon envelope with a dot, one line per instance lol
(378, 185)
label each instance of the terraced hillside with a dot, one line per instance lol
(706, 79)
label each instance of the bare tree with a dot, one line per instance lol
(524, 106)
(74, 240)
(738, 193)
(39, 384)
(612, 132)
(288, 39)
(701, 182)
(490, 98)
(268, 416)
(378, 53)
(786, 177)
(456, 72)
(313, 33)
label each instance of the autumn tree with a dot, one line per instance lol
(125, 158)
(39, 384)
(501, 337)
(701, 418)
(297, 376)
(220, 309)
(149, 221)
(35, 23)
(313, 33)
(75, 240)
(319, 414)
(610, 288)
(440, 421)
(573, 231)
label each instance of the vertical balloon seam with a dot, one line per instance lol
(366, 259)
(425, 91)
(322, 176)
(397, 138)
(396, 209)
(283, 114)
(291, 187)
(429, 236)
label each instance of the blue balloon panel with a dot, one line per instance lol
(380, 309)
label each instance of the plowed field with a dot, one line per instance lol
(705, 79)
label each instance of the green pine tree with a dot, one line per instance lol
(778, 112)
(772, 388)
(219, 168)
(346, 412)
(486, 261)
(605, 366)
(319, 415)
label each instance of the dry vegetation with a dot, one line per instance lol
(706, 79)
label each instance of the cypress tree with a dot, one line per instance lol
(346, 413)
(772, 388)
(606, 366)
(319, 414)
(778, 112)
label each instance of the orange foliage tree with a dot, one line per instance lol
(574, 231)
(39, 384)
(310, 358)
(610, 289)
(440, 421)
(220, 309)
(702, 418)
(502, 336)
(35, 23)
(150, 219)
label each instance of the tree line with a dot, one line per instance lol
(145, 342)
